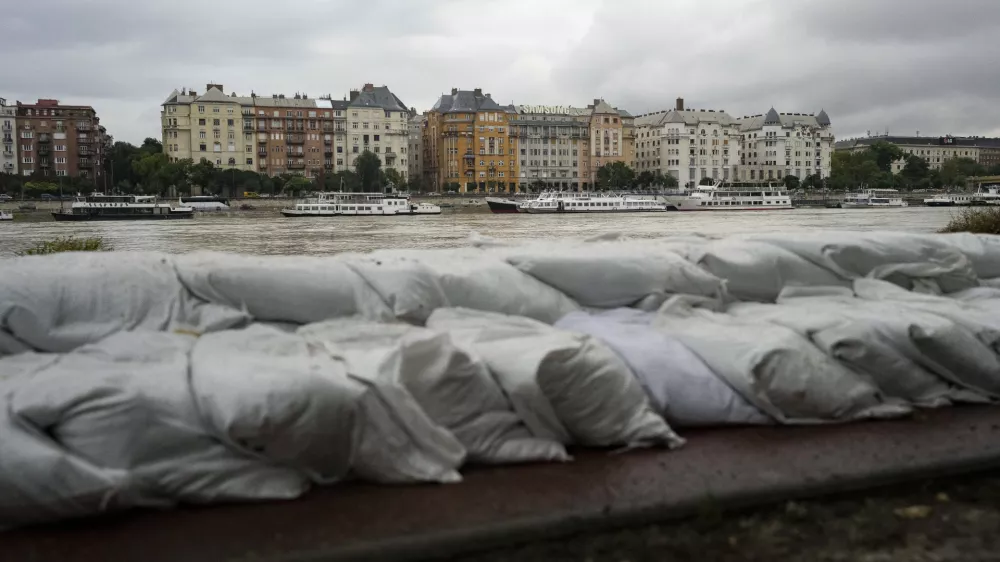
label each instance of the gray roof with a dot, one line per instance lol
(772, 118)
(291, 103)
(686, 116)
(177, 97)
(786, 120)
(379, 96)
(823, 119)
(215, 95)
(624, 113)
(465, 101)
(602, 106)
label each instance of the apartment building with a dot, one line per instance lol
(934, 150)
(775, 145)
(378, 121)
(467, 140)
(612, 135)
(58, 140)
(292, 134)
(553, 144)
(209, 126)
(415, 161)
(8, 144)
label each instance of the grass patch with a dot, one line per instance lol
(978, 220)
(67, 244)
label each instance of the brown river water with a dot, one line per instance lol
(270, 233)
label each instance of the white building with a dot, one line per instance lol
(688, 144)
(378, 121)
(775, 145)
(8, 142)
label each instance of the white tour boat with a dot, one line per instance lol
(873, 198)
(589, 203)
(205, 203)
(5, 216)
(949, 200)
(359, 205)
(100, 207)
(986, 195)
(718, 198)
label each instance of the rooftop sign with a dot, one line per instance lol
(548, 109)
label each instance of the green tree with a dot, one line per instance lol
(392, 177)
(415, 184)
(368, 168)
(616, 175)
(954, 171)
(885, 153)
(645, 178)
(791, 182)
(668, 181)
(813, 181)
(915, 174)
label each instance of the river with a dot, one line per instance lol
(267, 234)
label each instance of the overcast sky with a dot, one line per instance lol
(908, 65)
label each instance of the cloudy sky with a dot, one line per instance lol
(905, 65)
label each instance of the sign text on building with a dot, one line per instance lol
(550, 109)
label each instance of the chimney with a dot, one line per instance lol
(355, 94)
(305, 97)
(597, 101)
(217, 86)
(454, 91)
(680, 104)
(478, 92)
(369, 87)
(281, 96)
(298, 97)
(274, 96)
(191, 92)
(489, 96)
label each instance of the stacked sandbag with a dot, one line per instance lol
(59, 302)
(279, 397)
(454, 388)
(679, 384)
(983, 250)
(776, 369)
(112, 425)
(566, 387)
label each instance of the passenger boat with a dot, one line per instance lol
(949, 200)
(359, 205)
(986, 195)
(498, 205)
(205, 203)
(100, 207)
(589, 203)
(715, 197)
(873, 198)
(5, 216)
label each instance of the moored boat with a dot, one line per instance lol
(359, 205)
(5, 216)
(873, 198)
(498, 205)
(986, 195)
(204, 203)
(589, 203)
(716, 197)
(100, 207)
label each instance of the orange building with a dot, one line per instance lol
(468, 144)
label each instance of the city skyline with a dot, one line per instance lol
(871, 65)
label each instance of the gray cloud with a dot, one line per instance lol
(903, 64)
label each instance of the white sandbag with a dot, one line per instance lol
(679, 384)
(62, 301)
(297, 289)
(483, 281)
(125, 404)
(453, 388)
(757, 271)
(613, 274)
(563, 385)
(408, 287)
(983, 250)
(910, 261)
(777, 370)
(274, 395)
(876, 343)
(26, 364)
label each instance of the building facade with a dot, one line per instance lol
(59, 140)
(934, 150)
(612, 136)
(378, 121)
(8, 143)
(414, 160)
(468, 144)
(775, 145)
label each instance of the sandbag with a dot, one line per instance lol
(481, 281)
(777, 370)
(613, 274)
(910, 261)
(983, 250)
(62, 301)
(757, 271)
(679, 384)
(296, 289)
(563, 385)
(124, 404)
(454, 388)
(276, 396)
(408, 287)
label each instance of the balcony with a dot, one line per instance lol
(44, 138)
(295, 139)
(79, 140)
(328, 151)
(8, 140)
(83, 127)
(262, 153)
(469, 156)
(84, 163)
(44, 163)
(6, 127)
(248, 126)
(296, 165)
(328, 142)
(43, 151)
(327, 128)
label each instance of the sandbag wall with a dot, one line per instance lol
(147, 380)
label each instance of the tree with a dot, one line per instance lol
(885, 153)
(645, 178)
(954, 171)
(616, 175)
(813, 181)
(538, 185)
(392, 177)
(368, 168)
(791, 182)
(915, 173)
(669, 182)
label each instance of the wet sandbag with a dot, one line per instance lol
(61, 301)
(983, 250)
(679, 384)
(280, 398)
(757, 271)
(409, 288)
(454, 388)
(613, 274)
(124, 404)
(910, 261)
(777, 370)
(482, 281)
(296, 289)
(565, 386)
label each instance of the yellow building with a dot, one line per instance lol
(209, 126)
(468, 144)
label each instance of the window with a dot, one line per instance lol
(215, 122)
(201, 134)
(27, 160)
(25, 148)
(201, 122)
(229, 122)
(27, 134)
(215, 110)
(61, 160)
(355, 151)
(202, 147)
(217, 147)
(201, 109)
(60, 148)
(354, 125)
(376, 138)
(217, 134)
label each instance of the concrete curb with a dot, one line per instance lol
(494, 507)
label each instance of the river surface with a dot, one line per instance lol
(266, 234)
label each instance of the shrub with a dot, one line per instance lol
(67, 244)
(978, 220)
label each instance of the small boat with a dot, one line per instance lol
(986, 195)
(949, 200)
(715, 197)
(498, 205)
(359, 205)
(874, 198)
(205, 203)
(5, 216)
(100, 207)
